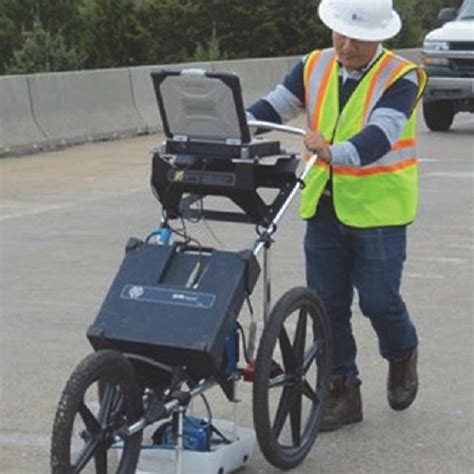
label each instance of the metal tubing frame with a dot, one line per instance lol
(267, 283)
(180, 440)
(265, 244)
(276, 127)
(172, 406)
(272, 226)
(309, 164)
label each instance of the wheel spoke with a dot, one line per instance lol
(281, 380)
(118, 402)
(101, 460)
(295, 417)
(86, 454)
(282, 412)
(106, 404)
(116, 410)
(310, 393)
(91, 422)
(287, 351)
(300, 337)
(310, 356)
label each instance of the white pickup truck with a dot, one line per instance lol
(448, 57)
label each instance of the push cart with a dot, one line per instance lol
(169, 329)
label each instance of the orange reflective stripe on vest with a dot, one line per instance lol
(321, 94)
(346, 170)
(381, 68)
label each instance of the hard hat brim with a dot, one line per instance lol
(391, 29)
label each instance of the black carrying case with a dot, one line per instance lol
(149, 312)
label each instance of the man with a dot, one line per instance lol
(362, 192)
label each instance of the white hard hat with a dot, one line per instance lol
(366, 20)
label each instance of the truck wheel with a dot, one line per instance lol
(438, 115)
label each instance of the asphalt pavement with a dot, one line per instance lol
(65, 218)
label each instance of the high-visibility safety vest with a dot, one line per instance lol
(383, 193)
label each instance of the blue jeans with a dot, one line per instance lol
(340, 258)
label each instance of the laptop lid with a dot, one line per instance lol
(201, 106)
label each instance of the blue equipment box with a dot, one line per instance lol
(175, 305)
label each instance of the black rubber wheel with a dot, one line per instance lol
(439, 115)
(88, 433)
(291, 378)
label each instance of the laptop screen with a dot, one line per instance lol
(197, 105)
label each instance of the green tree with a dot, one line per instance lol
(174, 28)
(211, 51)
(247, 28)
(17, 17)
(54, 15)
(300, 29)
(116, 33)
(43, 51)
(7, 41)
(411, 34)
(110, 33)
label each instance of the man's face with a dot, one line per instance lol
(353, 54)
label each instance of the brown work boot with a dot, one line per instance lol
(402, 381)
(344, 404)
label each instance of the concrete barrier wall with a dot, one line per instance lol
(18, 128)
(75, 107)
(258, 76)
(41, 111)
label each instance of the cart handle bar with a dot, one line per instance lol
(309, 164)
(277, 127)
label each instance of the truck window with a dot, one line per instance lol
(467, 10)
